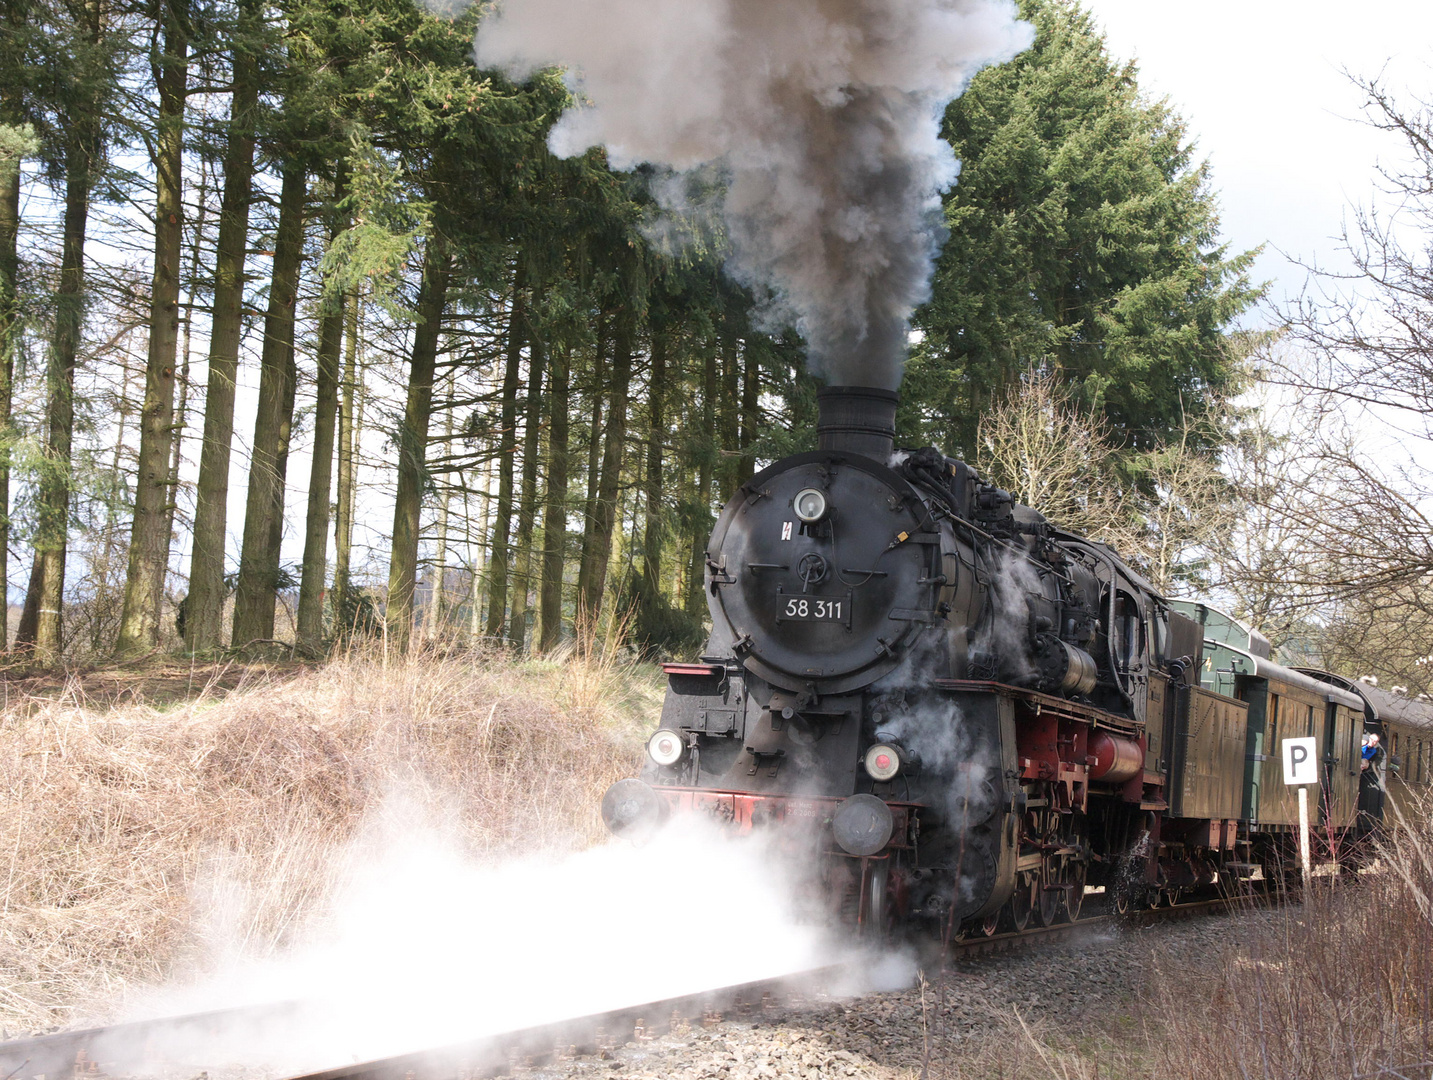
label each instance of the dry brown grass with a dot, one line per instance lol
(144, 835)
(1338, 987)
(129, 831)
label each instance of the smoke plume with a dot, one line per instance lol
(823, 116)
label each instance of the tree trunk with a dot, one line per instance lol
(273, 568)
(343, 508)
(605, 512)
(507, 449)
(476, 551)
(9, 340)
(527, 505)
(594, 468)
(182, 384)
(701, 504)
(320, 488)
(105, 570)
(434, 617)
(554, 514)
(149, 544)
(204, 606)
(360, 401)
(45, 598)
(730, 416)
(257, 592)
(750, 406)
(413, 443)
(656, 438)
(30, 612)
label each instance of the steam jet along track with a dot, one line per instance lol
(973, 716)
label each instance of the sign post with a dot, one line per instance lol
(1301, 768)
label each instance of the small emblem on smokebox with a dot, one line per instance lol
(786, 530)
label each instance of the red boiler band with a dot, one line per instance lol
(1113, 759)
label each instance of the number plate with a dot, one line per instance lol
(803, 607)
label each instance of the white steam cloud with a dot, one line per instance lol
(1007, 636)
(426, 947)
(823, 116)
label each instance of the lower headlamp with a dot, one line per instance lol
(883, 762)
(666, 747)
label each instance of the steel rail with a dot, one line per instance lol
(1033, 936)
(126, 1047)
(496, 1055)
(55, 1055)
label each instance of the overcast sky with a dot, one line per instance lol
(1261, 83)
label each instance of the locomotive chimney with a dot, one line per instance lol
(858, 419)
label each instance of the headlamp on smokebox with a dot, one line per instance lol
(884, 761)
(810, 505)
(667, 747)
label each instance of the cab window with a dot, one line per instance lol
(1128, 632)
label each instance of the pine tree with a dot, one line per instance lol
(413, 440)
(205, 603)
(76, 115)
(256, 592)
(314, 574)
(17, 141)
(149, 538)
(554, 515)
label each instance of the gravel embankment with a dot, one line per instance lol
(1085, 987)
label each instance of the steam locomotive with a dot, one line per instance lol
(971, 718)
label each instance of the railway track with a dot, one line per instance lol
(133, 1046)
(498, 1055)
(1034, 936)
(54, 1056)
(538, 1046)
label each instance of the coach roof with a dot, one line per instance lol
(1381, 705)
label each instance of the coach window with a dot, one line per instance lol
(1272, 745)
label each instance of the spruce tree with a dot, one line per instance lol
(205, 603)
(1083, 237)
(149, 538)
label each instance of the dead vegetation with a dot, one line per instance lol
(132, 833)
(130, 828)
(1342, 987)
(1339, 987)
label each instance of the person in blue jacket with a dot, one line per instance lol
(1370, 749)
